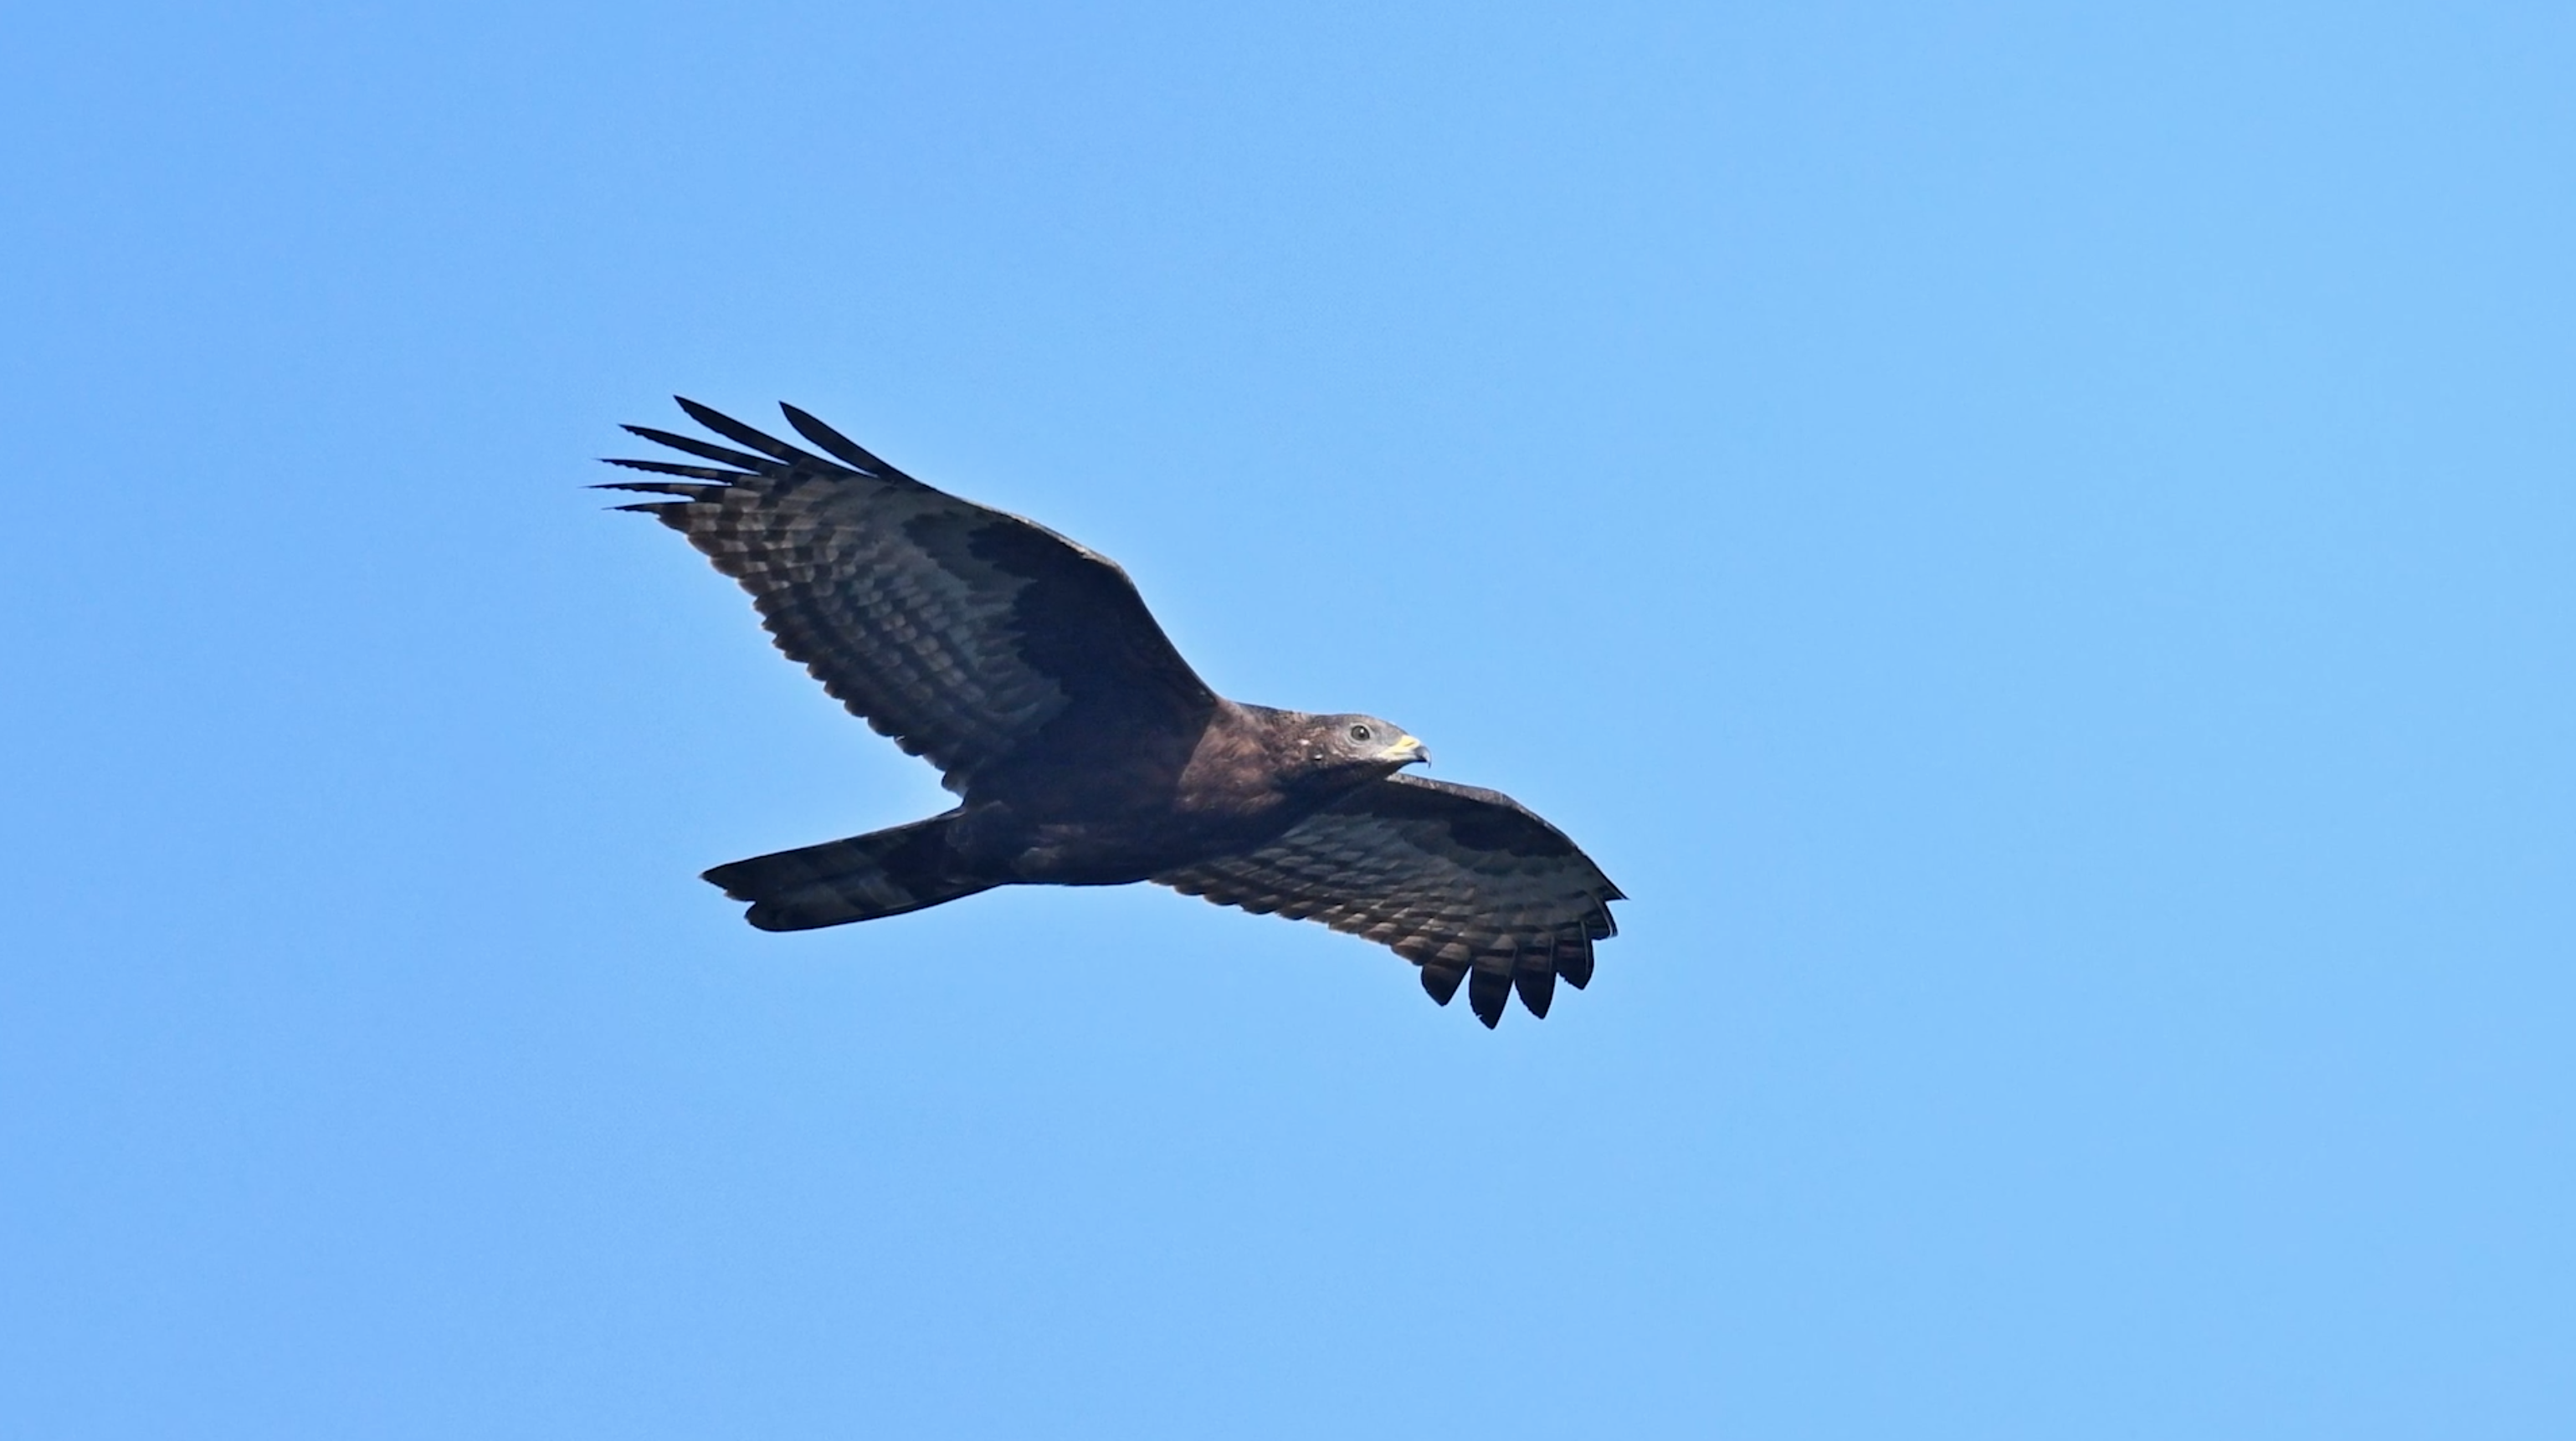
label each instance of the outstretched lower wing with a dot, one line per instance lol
(974, 637)
(1465, 883)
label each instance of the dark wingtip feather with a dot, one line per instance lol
(660, 487)
(692, 446)
(1488, 992)
(664, 467)
(741, 434)
(1537, 988)
(1576, 965)
(1441, 982)
(840, 446)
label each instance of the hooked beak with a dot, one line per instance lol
(1407, 751)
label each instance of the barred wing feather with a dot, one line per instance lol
(973, 637)
(1465, 883)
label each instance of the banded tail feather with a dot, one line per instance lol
(882, 873)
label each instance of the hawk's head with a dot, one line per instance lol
(1343, 750)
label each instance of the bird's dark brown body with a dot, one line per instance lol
(1249, 774)
(1083, 749)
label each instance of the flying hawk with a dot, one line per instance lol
(1083, 750)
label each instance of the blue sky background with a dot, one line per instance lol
(2034, 540)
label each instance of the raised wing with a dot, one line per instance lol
(1465, 883)
(973, 637)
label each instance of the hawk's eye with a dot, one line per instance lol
(1359, 733)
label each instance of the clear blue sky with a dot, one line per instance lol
(2038, 542)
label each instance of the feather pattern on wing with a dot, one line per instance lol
(1465, 883)
(975, 638)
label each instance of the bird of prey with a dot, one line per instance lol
(1082, 749)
